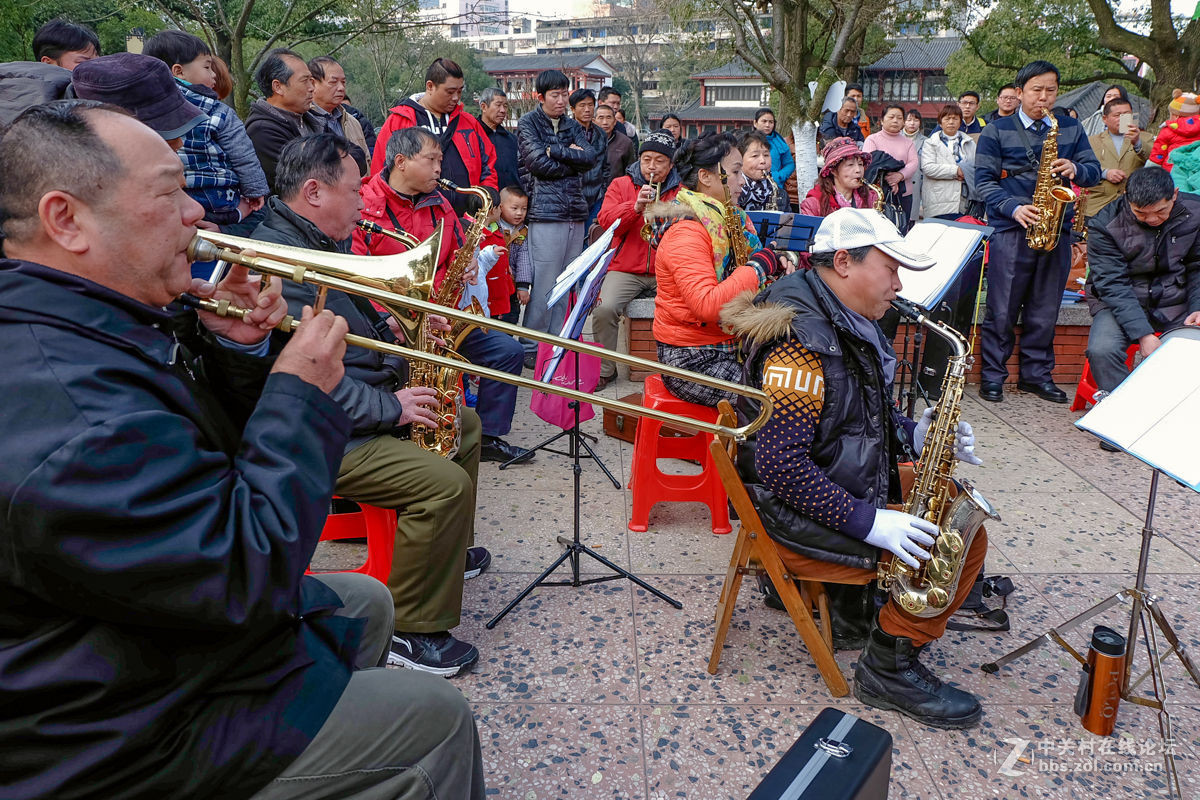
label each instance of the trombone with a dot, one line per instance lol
(401, 282)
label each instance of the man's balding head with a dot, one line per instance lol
(90, 191)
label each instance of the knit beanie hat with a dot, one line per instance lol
(659, 142)
(1184, 103)
(838, 150)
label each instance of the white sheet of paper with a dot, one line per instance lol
(951, 245)
(1155, 413)
(580, 266)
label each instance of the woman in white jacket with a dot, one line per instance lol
(948, 164)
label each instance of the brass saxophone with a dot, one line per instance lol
(446, 438)
(1050, 196)
(739, 245)
(657, 196)
(878, 190)
(1079, 227)
(926, 591)
(774, 204)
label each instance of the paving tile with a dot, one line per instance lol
(521, 528)
(562, 644)
(1072, 594)
(1080, 532)
(1013, 463)
(338, 556)
(958, 655)
(681, 541)
(967, 765)
(764, 660)
(705, 752)
(538, 751)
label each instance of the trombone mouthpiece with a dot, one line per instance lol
(202, 250)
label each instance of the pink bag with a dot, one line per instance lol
(551, 407)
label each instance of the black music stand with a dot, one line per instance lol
(577, 442)
(1144, 605)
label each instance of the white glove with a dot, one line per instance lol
(964, 445)
(964, 441)
(923, 425)
(902, 534)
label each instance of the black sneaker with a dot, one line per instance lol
(478, 561)
(439, 653)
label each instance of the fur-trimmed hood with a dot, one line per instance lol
(660, 216)
(752, 321)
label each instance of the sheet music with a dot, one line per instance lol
(573, 325)
(580, 266)
(1154, 414)
(952, 244)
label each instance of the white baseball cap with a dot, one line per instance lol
(848, 228)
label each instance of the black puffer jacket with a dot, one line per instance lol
(552, 172)
(367, 391)
(596, 179)
(160, 498)
(859, 437)
(1148, 277)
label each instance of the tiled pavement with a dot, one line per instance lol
(601, 691)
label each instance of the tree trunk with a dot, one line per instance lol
(804, 136)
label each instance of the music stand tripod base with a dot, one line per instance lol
(1142, 603)
(574, 548)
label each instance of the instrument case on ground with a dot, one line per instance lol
(620, 425)
(838, 757)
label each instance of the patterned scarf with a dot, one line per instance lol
(957, 146)
(709, 213)
(756, 194)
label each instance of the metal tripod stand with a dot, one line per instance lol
(1144, 612)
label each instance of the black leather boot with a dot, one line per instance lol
(890, 676)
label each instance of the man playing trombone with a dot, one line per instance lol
(317, 206)
(165, 483)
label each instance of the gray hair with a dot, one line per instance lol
(318, 157)
(489, 94)
(53, 147)
(275, 68)
(846, 100)
(407, 142)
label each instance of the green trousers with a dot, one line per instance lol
(434, 500)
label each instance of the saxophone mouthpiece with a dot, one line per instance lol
(908, 309)
(447, 184)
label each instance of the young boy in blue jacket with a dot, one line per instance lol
(221, 170)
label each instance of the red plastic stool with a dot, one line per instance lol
(377, 524)
(650, 485)
(1085, 392)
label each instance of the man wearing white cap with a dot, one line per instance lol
(823, 469)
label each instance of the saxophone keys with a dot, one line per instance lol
(949, 543)
(937, 597)
(911, 602)
(939, 570)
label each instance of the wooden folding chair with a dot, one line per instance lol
(755, 552)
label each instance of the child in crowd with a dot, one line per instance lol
(505, 257)
(221, 170)
(1182, 128)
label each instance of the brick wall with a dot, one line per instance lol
(1070, 346)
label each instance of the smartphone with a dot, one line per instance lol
(1126, 122)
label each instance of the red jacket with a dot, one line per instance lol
(1176, 133)
(688, 305)
(619, 202)
(420, 219)
(500, 281)
(471, 141)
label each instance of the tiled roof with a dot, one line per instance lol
(734, 69)
(918, 53)
(540, 62)
(1086, 99)
(694, 112)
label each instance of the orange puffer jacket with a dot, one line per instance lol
(688, 305)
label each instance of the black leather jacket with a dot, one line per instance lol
(551, 170)
(1148, 277)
